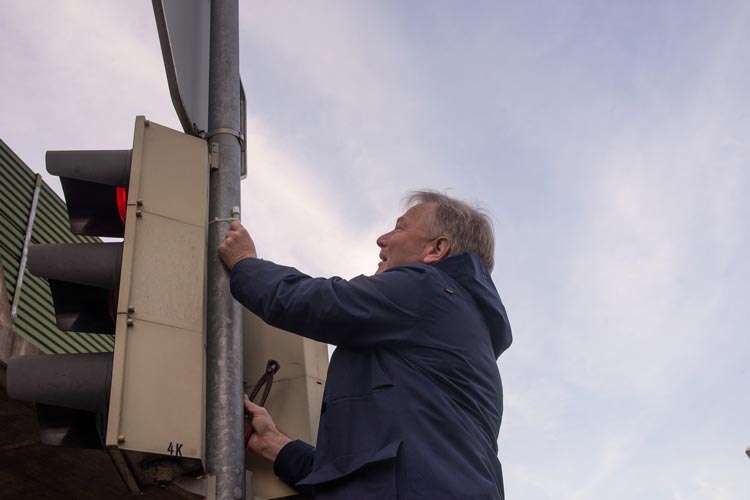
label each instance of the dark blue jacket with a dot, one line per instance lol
(413, 399)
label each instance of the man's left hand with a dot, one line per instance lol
(237, 245)
(261, 434)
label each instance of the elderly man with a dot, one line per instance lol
(413, 399)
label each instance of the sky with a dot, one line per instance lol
(607, 139)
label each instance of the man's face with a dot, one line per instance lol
(410, 241)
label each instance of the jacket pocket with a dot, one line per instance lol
(364, 476)
(357, 425)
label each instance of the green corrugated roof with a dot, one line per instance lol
(35, 320)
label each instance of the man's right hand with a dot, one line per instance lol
(265, 439)
(237, 245)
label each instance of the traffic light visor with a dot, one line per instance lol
(84, 279)
(71, 392)
(94, 183)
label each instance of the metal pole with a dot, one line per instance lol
(224, 415)
(25, 252)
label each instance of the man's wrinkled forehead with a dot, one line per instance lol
(409, 216)
(418, 214)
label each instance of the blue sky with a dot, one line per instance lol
(608, 140)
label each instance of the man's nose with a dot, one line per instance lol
(382, 241)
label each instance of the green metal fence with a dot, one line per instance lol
(35, 318)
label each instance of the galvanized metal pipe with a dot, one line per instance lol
(25, 252)
(224, 415)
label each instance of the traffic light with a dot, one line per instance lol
(296, 393)
(144, 403)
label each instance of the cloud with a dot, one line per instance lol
(356, 106)
(712, 482)
(76, 75)
(640, 305)
(297, 218)
(658, 206)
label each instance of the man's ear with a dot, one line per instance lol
(439, 250)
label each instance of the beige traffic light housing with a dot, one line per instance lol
(296, 394)
(156, 423)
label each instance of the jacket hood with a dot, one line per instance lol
(470, 272)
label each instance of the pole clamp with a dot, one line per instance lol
(224, 130)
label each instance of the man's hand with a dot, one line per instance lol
(237, 245)
(261, 434)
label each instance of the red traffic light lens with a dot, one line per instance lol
(122, 202)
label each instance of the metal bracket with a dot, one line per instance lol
(213, 156)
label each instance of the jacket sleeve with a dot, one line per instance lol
(360, 312)
(293, 463)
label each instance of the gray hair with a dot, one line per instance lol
(467, 227)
